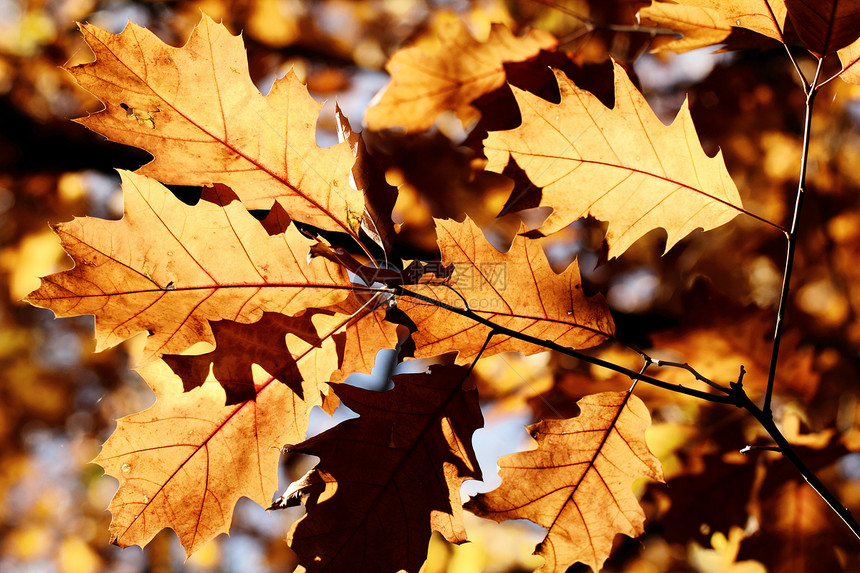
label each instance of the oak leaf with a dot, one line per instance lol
(578, 483)
(264, 343)
(339, 340)
(169, 268)
(825, 26)
(708, 22)
(517, 290)
(849, 56)
(700, 26)
(197, 111)
(184, 462)
(620, 165)
(387, 479)
(448, 70)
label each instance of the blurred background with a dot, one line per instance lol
(710, 300)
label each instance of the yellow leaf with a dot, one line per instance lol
(197, 111)
(447, 70)
(620, 165)
(169, 268)
(578, 483)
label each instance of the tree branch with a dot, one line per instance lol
(792, 239)
(501, 330)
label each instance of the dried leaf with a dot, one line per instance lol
(620, 165)
(200, 115)
(184, 462)
(378, 516)
(169, 268)
(239, 346)
(708, 22)
(825, 26)
(850, 58)
(448, 70)
(700, 26)
(517, 289)
(578, 483)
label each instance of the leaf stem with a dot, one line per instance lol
(792, 239)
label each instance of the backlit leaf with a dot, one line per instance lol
(378, 516)
(169, 268)
(825, 26)
(517, 289)
(578, 483)
(708, 22)
(448, 70)
(620, 165)
(205, 122)
(186, 461)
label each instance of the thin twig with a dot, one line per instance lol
(694, 372)
(480, 352)
(501, 330)
(792, 240)
(803, 81)
(842, 69)
(737, 396)
(648, 362)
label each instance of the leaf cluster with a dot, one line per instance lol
(299, 263)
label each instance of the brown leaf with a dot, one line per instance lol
(448, 177)
(197, 111)
(341, 339)
(184, 462)
(825, 26)
(700, 26)
(238, 346)
(578, 483)
(447, 70)
(369, 178)
(620, 165)
(708, 22)
(388, 478)
(169, 268)
(517, 289)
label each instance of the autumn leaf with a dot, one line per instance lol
(197, 111)
(708, 22)
(184, 462)
(724, 555)
(517, 290)
(239, 346)
(378, 516)
(825, 26)
(700, 26)
(850, 58)
(168, 268)
(447, 70)
(620, 165)
(369, 178)
(578, 483)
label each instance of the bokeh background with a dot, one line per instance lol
(709, 300)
